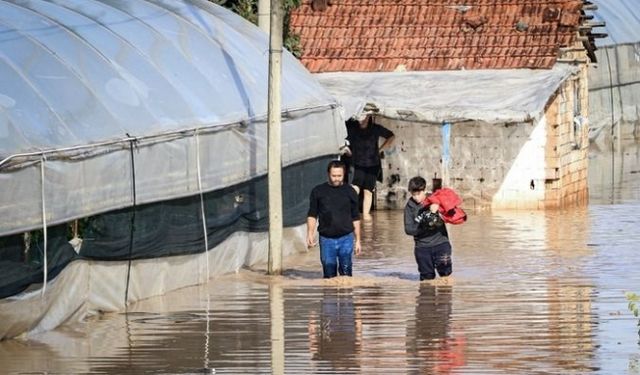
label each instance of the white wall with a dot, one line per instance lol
(523, 186)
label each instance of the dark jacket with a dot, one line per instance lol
(364, 143)
(422, 235)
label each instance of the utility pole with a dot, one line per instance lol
(264, 15)
(274, 138)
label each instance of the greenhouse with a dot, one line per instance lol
(133, 144)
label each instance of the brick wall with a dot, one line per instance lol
(566, 152)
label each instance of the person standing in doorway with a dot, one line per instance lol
(364, 139)
(333, 209)
(432, 247)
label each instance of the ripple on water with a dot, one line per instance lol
(531, 293)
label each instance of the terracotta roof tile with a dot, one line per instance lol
(355, 35)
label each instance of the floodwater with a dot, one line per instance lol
(532, 293)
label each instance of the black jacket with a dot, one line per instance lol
(422, 235)
(364, 143)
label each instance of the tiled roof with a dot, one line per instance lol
(382, 35)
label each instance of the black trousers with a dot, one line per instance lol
(432, 259)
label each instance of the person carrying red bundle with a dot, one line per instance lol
(448, 202)
(424, 219)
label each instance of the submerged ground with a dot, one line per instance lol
(532, 292)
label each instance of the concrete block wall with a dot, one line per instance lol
(566, 151)
(482, 157)
(416, 152)
(523, 185)
(531, 165)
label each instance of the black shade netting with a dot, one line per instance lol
(163, 228)
(22, 265)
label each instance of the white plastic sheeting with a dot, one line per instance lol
(82, 82)
(622, 18)
(88, 287)
(481, 95)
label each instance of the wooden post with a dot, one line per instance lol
(275, 141)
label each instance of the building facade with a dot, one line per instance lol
(508, 160)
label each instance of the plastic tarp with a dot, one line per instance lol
(480, 95)
(88, 287)
(622, 18)
(106, 103)
(160, 229)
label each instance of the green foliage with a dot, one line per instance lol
(634, 302)
(248, 9)
(291, 41)
(292, 44)
(634, 299)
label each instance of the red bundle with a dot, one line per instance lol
(448, 202)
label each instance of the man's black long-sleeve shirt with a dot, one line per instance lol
(335, 207)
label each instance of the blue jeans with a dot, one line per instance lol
(335, 255)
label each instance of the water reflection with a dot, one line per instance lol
(433, 346)
(614, 176)
(335, 330)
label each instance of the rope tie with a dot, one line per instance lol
(202, 211)
(44, 224)
(132, 145)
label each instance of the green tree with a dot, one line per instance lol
(291, 41)
(248, 9)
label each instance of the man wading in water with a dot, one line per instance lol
(333, 206)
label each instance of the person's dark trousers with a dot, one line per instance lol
(335, 255)
(432, 259)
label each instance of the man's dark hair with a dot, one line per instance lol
(417, 184)
(336, 164)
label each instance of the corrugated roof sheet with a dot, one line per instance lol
(417, 35)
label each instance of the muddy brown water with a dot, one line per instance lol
(532, 292)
